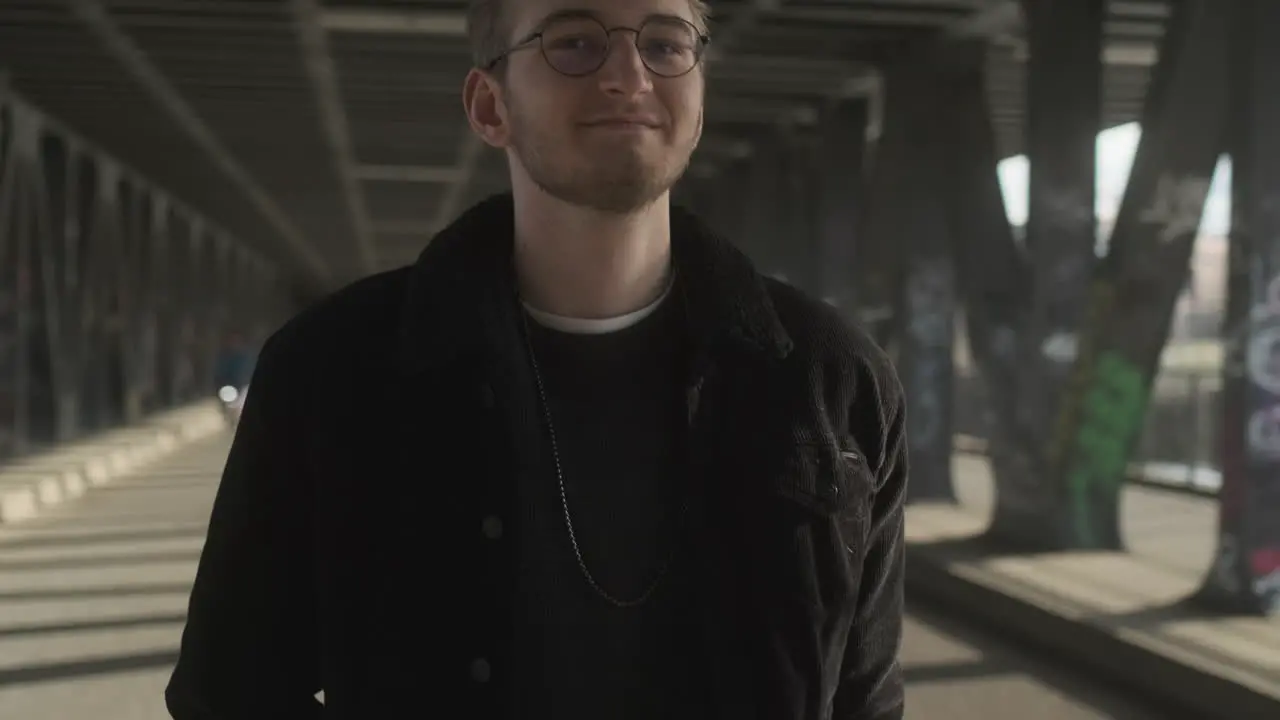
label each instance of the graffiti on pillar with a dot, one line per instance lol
(1248, 568)
(1101, 300)
(1262, 369)
(929, 326)
(1226, 566)
(1176, 206)
(1264, 567)
(1099, 420)
(1067, 205)
(1111, 417)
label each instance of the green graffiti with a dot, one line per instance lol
(1101, 299)
(1110, 419)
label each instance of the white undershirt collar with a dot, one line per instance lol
(597, 326)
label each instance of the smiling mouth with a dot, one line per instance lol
(623, 123)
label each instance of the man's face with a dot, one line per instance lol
(614, 140)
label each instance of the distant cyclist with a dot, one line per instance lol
(232, 373)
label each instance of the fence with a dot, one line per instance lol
(1180, 445)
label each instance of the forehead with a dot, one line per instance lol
(525, 15)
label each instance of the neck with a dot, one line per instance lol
(581, 263)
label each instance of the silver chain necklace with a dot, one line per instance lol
(564, 497)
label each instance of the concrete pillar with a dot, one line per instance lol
(840, 194)
(1064, 116)
(995, 281)
(1246, 574)
(763, 211)
(1132, 298)
(908, 215)
(729, 197)
(15, 288)
(797, 240)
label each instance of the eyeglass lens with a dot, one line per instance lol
(580, 46)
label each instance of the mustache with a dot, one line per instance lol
(642, 116)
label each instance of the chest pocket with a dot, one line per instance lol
(822, 478)
(807, 541)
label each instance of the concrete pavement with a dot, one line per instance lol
(33, 484)
(93, 594)
(1120, 613)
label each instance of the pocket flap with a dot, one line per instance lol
(817, 477)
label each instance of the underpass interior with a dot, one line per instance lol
(93, 599)
(172, 170)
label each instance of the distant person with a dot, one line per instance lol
(234, 365)
(580, 461)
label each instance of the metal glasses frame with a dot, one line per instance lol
(524, 44)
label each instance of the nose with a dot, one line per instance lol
(624, 72)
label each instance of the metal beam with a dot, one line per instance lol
(395, 22)
(406, 227)
(123, 49)
(991, 19)
(1114, 53)
(318, 61)
(408, 173)
(743, 19)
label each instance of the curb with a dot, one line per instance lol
(1184, 685)
(31, 485)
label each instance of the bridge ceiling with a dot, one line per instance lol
(330, 132)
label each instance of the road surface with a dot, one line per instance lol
(92, 600)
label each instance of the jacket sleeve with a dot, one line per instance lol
(249, 647)
(871, 686)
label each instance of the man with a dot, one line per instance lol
(598, 467)
(234, 366)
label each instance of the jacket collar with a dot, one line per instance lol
(461, 296)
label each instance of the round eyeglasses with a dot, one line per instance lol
(578, 46)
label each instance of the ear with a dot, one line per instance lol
(485, 108)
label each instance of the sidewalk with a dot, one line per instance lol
(34, 483)
(1123, 614)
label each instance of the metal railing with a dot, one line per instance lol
(1180, 445)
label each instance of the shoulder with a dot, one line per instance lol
(354, 326)
(857, 375)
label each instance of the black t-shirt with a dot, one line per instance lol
(618, 410)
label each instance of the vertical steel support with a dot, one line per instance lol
(133, 296)
(182, 282)
(878, 272)
(841, 192)
(764, 212)
(1132, 298)
(100, 281)
(910, 213)
(218, 289)
(51, 174)
(1246, 574)
(103, 387)
(797, 238)
(995, 278)
(15, 288)
(1064, 117)
(729, 201)
(167, 302)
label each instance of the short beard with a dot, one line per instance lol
(623, 188)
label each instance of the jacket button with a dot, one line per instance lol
(480, 670)
(492, 527)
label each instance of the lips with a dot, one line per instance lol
(625, 120)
